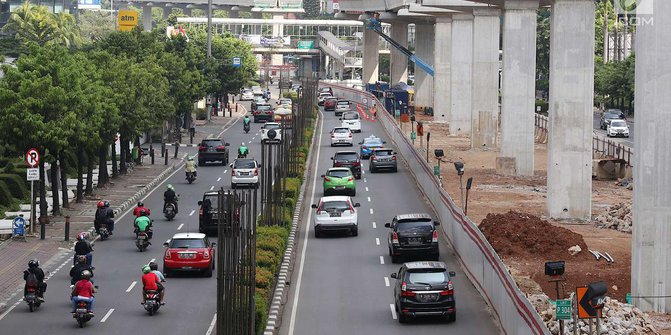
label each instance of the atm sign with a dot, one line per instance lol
(127, 18)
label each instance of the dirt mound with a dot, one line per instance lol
(524, 235)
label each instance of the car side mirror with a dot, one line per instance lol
(393, 275)
(357, 205)
(200, 202)
(214, 244)
(314, 206)
(227, 144)
(360, 142)
(436, 223)
(230, 165)
(323, 175)
(331, 158)
(452, 274)
(387, 225)
(384, 142)
(166, 244)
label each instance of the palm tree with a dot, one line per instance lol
(31, 23)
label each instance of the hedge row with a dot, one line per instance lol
(271, 242)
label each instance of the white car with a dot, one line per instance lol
(266, 129)
(351, 120)
(257, 90)
(336, 213)
(244, 171)
(617, 128)
(341, 107)
(322, 97)
(285, 103)
(341, 135)
(246, 95)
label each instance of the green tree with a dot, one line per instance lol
(31, 23)
(543, 50)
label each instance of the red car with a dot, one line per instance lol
(189, 252)
(330, 104)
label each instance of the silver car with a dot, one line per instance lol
(383, 158)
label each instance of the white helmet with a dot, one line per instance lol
(243, 144)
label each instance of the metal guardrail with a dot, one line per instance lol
(600, 145)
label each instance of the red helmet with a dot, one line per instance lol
(81, 236)
(101, 204)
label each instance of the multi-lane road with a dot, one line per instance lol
(602, 133)
(341, 284)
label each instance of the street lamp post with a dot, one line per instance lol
(459, 166)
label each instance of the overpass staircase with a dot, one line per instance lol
(339, 50)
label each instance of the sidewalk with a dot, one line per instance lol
(122, 193)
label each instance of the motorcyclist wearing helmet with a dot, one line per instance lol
(246, 121)
(97, 219)
(76, 271)
(140, 207)
(151, 282)
(104, 216)
(84, 248)
(154, 268)
(242, 150)
(34, 276)
(142, 224)
(83, 291)
(190, 167)
(170, 197)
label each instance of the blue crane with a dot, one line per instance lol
(376, 26)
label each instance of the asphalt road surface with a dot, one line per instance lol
(602, 133)
(190, 299)
(341, 284)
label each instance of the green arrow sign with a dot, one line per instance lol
(563, 310)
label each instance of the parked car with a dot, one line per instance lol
(322, 97)
(257, 90)
(617, 128)
(267, 132)
(339, 180)
(609, 115)
(213, 149)
(348, 159)
(263, 113)
(412, 235)
(424, 289)
(341, 107)
(383, 158)
(369, 144)
(189, 252)
(246, 95)
(336, 213)
(330, 104)
(351, 120)
(244, 171)
(341, 135)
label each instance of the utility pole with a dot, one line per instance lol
(209, 54)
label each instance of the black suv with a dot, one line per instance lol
(413, 235)
(610, 115)
(424, 289)
(208, 216)
(213, 149)
(348, 159)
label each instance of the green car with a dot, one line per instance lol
(339, 180)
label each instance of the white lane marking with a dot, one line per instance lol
(131, 286)
(365, 180)
(393, 311)
(294, 308)
(386, 281)
(107, 315)
(180, 227)
(362, 169)
(374, 225)
(371, 211)
(211, 187)
(10, 309)
(253, 137)
(225, 171)
(219, 179)
(366, 188)
(377, 241)
(368, 199)
(382, 260)
(212, 324)
(192, 211)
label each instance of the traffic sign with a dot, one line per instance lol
(585, 309)
(236, 62)
(19, 226)
(33, 157)
(32, 174)
(563, 310)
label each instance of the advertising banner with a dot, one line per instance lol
(88, 4)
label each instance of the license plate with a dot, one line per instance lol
(81, 310)
(244, 173)
(340, 187)
(187, 256)
(142, 237)
(415, 240)
(335, 215)
(427, 297)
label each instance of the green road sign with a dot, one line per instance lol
(413, 135)
(563, 309)
(306, 44)
(436, 170)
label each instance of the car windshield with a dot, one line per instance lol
(383, 153)
(271, 126)
(211, 202)
(335, 206)
(350, 116)
(263, 107)
(188, 243)
(244, 164)
(341, 130)
(350, 157)
(618, 123)
(427, 276)
(415, 225)
(339, 173)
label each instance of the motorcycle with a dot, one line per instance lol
(32, 299)
(82, 313)
(142, 241)
(169, 211)
(152, 302)
(242, 155)
(190, 177)
(246, 127)
(89, 259)
(103, 232)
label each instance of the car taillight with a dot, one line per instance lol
(356, 163)
(327, 179)
(167, 255)
(336, 164)
(233, 173)
(256, 113)
(31, 289)
(332, 135)
(202, 148)
(364, 147)
(200, 213)
(373, 158)
(350, 178)
(221, 147)
(405, 292)
(256, 172)
(435, 237)
(350, 135)
(394, 238)
(206, 255)
(393, 158)
(449, 291)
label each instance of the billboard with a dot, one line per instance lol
(88, 4)
(291, 3)
(266, 41)
(265, 3)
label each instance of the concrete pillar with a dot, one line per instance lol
(485, 105)
(518, 88)
(650, 267)
(569, 179)
(424, 38)
(146, 17)
(399, 61)
(278, 31)
(462, 67)
(371, 56)
(442, 69)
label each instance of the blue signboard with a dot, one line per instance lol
(236, 62)
(19, 226)
(88, 4)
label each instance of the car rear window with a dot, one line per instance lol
(187, 243)
(333, 206)
(271, 126)
(343, 103)
(383, 152)
(341, 130)
(415, 225)
(339, 173)
(346, 157)
(212, 201)
(350, 116)
(212, 143)
(372, 141)
(244, 164)
(618, 123)
(427, 276)
(263, 107)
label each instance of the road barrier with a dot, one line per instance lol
(515, 314)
